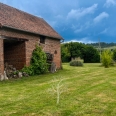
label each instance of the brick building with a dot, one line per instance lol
(20, 32)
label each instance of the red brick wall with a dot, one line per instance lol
(23, 52)
(1, 57)
(26, 48)
(30, 46)
(14, 54)
(52, 45)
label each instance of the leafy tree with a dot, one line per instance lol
(38, 61)
(106, 58)
(38, 64)
(65, 54)
(75, 50)
(91, 55)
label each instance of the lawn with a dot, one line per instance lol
(86, 91)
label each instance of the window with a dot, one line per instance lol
(42, 39)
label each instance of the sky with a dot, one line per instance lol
(85, 21)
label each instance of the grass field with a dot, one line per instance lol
(87, 91)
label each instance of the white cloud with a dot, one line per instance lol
(82, 40)
(79, 30)
(59, 17)
(104, 31)
(76, 14)
(110, 3)
(81, 27)
(101, 17)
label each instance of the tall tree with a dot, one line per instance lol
(91, 55)
(74, 49)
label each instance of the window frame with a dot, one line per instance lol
(42, 39)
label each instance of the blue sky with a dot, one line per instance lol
(75, 20)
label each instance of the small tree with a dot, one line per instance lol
(57, 88)
(39, 61)
(106, 58)
(38, 64)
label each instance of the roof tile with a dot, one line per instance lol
(14, 18)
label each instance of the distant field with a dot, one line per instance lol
(87, 91)
(112, 47)
(103, 45)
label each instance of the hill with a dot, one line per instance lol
(103, 45)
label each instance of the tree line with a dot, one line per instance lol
(103, 44)
(74, 50)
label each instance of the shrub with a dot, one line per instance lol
(38, 64)
(39, 61)
(76, 62)
(28, 70)
(106, 58)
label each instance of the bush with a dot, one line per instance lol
(28, 70)
(38, 64)
(76, 62)
(106, 58)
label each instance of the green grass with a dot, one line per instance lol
(88, 91)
